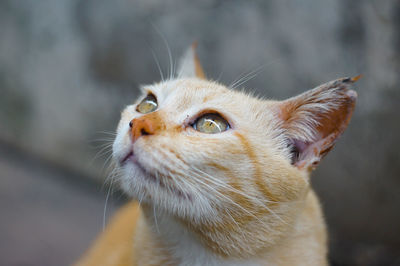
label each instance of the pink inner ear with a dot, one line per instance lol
(331, 115)
(309, 154)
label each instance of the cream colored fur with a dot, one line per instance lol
(239, 197)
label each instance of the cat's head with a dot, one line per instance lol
(220, 159)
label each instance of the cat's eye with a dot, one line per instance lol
(211, 124)
(147, 105)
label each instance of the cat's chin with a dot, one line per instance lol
(143, 185)
(140, 181)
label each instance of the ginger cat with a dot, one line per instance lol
(221, 178)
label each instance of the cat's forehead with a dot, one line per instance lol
(188, 90)
(184, 94)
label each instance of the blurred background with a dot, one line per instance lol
(68, 67)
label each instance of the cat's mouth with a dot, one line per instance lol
(151, 177)
(132, 158)
(126, 158)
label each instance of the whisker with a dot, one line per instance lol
(104, 150)
(216, 192)
(245, 77)
(171, 65)
(155, 214)
(207, 182)
(107, 133)
(211, 179)
(232, 202)
(248, 76)
(102, 140)
(106, 161)
(157, 63)
(106, 201)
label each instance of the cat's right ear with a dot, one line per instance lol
(189, 64)
(315, 119)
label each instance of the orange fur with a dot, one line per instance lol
(238, 197)
(114, 245)
(198, 68)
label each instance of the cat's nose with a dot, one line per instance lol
(141, 127)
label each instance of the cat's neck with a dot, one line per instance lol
(178, 244)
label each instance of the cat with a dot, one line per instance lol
(220, 177)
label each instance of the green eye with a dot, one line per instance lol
(211, 124)
(149, 104)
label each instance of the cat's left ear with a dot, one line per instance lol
(189, 64)
(315, 119)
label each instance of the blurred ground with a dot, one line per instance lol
(49, 215)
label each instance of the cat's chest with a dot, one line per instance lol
(185, 248)
(211, 260)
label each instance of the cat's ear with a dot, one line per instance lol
(189, 64)
(315, 119)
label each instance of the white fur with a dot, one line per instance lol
(186, 248)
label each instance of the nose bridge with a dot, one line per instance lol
(148, 124)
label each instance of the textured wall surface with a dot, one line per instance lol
(67, 68)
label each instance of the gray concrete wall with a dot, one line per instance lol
(67, 68)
